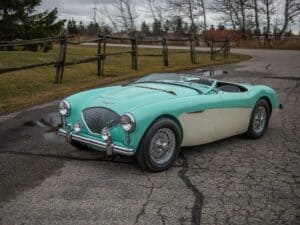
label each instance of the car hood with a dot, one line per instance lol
(126, 98)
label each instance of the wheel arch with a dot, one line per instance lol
(168, 116)
(269, 103)
(175, 119)
(251, 133)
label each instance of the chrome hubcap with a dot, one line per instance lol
(260, 118)
(163, 144)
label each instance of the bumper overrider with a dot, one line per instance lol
(107, 145)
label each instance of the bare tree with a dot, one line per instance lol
(247, 14)
(157, 9)
(229, 12)
(203, 6)
(232, 13)
(124, 14)
(240, 8)
(237, 12)
(104, 11)
(191, 9)
(256, 16)
(268, 9)
(291, 11)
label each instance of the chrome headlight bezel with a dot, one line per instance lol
(128, 122)
(64, 108)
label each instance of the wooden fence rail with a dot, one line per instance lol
(192, 51)
(28, 42)
(225, 48)
(101, 54)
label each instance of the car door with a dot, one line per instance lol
(235, 113)
(200, 123)
(215, 116)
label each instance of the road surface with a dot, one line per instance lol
(234, 181)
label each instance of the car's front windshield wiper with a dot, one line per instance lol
(157, 89)
(170, 83)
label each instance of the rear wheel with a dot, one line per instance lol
(160, 146)
(259, 119)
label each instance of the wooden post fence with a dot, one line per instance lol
(99, 62)
(101, 41)
(212, 50)
(61, 58)
(101, 53)
(165, 52)
(134, 52)
(192, 49)
(225, 48)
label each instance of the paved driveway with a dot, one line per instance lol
(233, 181)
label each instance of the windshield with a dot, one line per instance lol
(196, 82)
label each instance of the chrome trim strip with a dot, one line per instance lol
(200, 111)
(101, 144)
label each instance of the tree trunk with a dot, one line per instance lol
(268, 19)
(231, 15)
(191, 17)
(286, 18)
(243, 28)
(257, 29)
(204, 14)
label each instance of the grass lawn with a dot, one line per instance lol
(30, 87)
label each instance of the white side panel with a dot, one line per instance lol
(213, 124)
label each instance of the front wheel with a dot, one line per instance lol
(160, 146)
(259, 119)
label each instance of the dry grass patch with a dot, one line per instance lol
(30, 87)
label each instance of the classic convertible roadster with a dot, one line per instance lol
(154, 116)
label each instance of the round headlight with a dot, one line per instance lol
(127, 122)
(64, 108)
(77, 127)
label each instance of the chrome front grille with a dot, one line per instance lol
(97, 118)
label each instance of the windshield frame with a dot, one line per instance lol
(178, 82)
(169, 83)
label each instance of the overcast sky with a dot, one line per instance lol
(83, 10)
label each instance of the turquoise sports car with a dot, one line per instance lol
(153, 117)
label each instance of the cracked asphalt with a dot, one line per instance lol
(234, 181)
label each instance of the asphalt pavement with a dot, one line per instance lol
(238, 181)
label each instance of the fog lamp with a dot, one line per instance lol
(77, 127)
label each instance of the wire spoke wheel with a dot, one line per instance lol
(260, 119)
(162, 145)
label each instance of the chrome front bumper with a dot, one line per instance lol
(108, 145)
